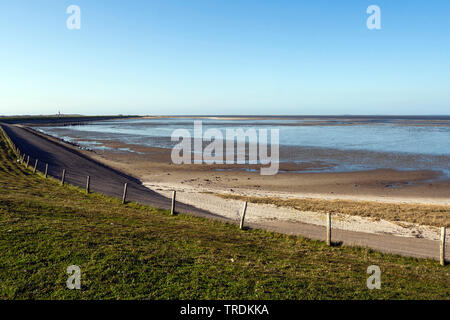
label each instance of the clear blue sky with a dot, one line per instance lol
(224, 57)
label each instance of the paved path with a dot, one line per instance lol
(108, 181)
(103, 179)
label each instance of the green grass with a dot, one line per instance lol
(138, 252)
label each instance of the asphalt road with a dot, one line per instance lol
(110, 182)
(103, 179)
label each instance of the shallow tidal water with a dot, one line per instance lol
(342, 144)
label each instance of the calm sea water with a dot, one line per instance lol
(418, 144)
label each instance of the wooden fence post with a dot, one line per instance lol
(172, 210)
(35, 165)
(23, 158)
(63, 176)
(88, 181)
(244, 210)
(328, 228)
(442, 255)
(46, 170)
(124, 198)
(28, 161)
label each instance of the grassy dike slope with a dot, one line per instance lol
(132, 251)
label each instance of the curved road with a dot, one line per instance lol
(103, 179)
(110, 182)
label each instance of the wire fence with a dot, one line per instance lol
(35, 166)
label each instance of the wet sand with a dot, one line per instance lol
(154, 165)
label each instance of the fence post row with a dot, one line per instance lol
(21, 158)
(328, 229)
(442, 255)
(124, 197)
(63, 177)
(88, 181)
(35, 165)
(244, 210)
(172, 209)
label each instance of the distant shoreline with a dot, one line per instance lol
(77, 119)
(59, 120)
(303, 120)
(399, 117)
